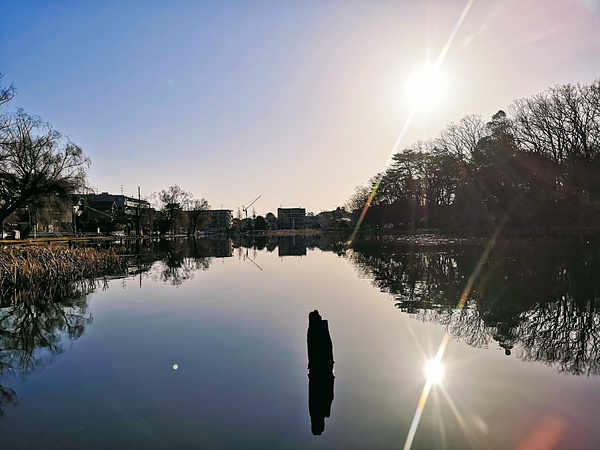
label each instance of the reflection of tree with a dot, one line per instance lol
(464, 324)
(7, 397)
(176, 271)
(539, 301)
(294, 245)
(563, 334)
(34, 325)
(419, 278)
(180, 259)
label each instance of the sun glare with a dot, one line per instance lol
(426, 87)
(434, 371)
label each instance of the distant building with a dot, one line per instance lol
(291, 218)
(97, 215)
(127, 214)
(220, 219)
(124, 204)
(106, 209)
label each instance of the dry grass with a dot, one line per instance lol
(25, 267)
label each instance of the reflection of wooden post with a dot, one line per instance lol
(320, 376)
(320, 399)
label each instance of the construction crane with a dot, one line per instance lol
(245, 206)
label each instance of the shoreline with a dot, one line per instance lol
(368, 234)
(309, 232)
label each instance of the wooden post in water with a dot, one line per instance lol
(320, 372)
(320, 347)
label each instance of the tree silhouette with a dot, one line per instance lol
(36, 162)
(533, 168)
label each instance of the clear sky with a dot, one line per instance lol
(295, 100)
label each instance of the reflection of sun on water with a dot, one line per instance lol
(434, 371)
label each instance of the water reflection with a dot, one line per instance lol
(434, 371)
(174, 261)
(296, 246)
(320, 399)
(291, 245)
(320, 376)
(536, 300)
(177, 268)
(34, 326)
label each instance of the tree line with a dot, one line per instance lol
(534, 167)
(179, 210)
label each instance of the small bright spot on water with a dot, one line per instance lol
(434, 371)
(175, 366)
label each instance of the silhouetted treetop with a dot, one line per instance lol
(535, 166)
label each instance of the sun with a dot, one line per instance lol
(426, 87)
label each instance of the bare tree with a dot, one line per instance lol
(36, 162)
(6, 93)
(460, 139)
(563, 122)
(358, 200)
(198, 214)
(173, 201)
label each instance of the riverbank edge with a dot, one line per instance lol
(41, 267)
(368, 234)
(89, 239)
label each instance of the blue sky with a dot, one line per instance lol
(296, 101)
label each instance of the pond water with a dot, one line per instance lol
(204, 345)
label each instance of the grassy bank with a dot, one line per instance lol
(25, 267)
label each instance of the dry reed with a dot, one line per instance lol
(25, 267)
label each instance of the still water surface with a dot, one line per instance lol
(204, 346)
